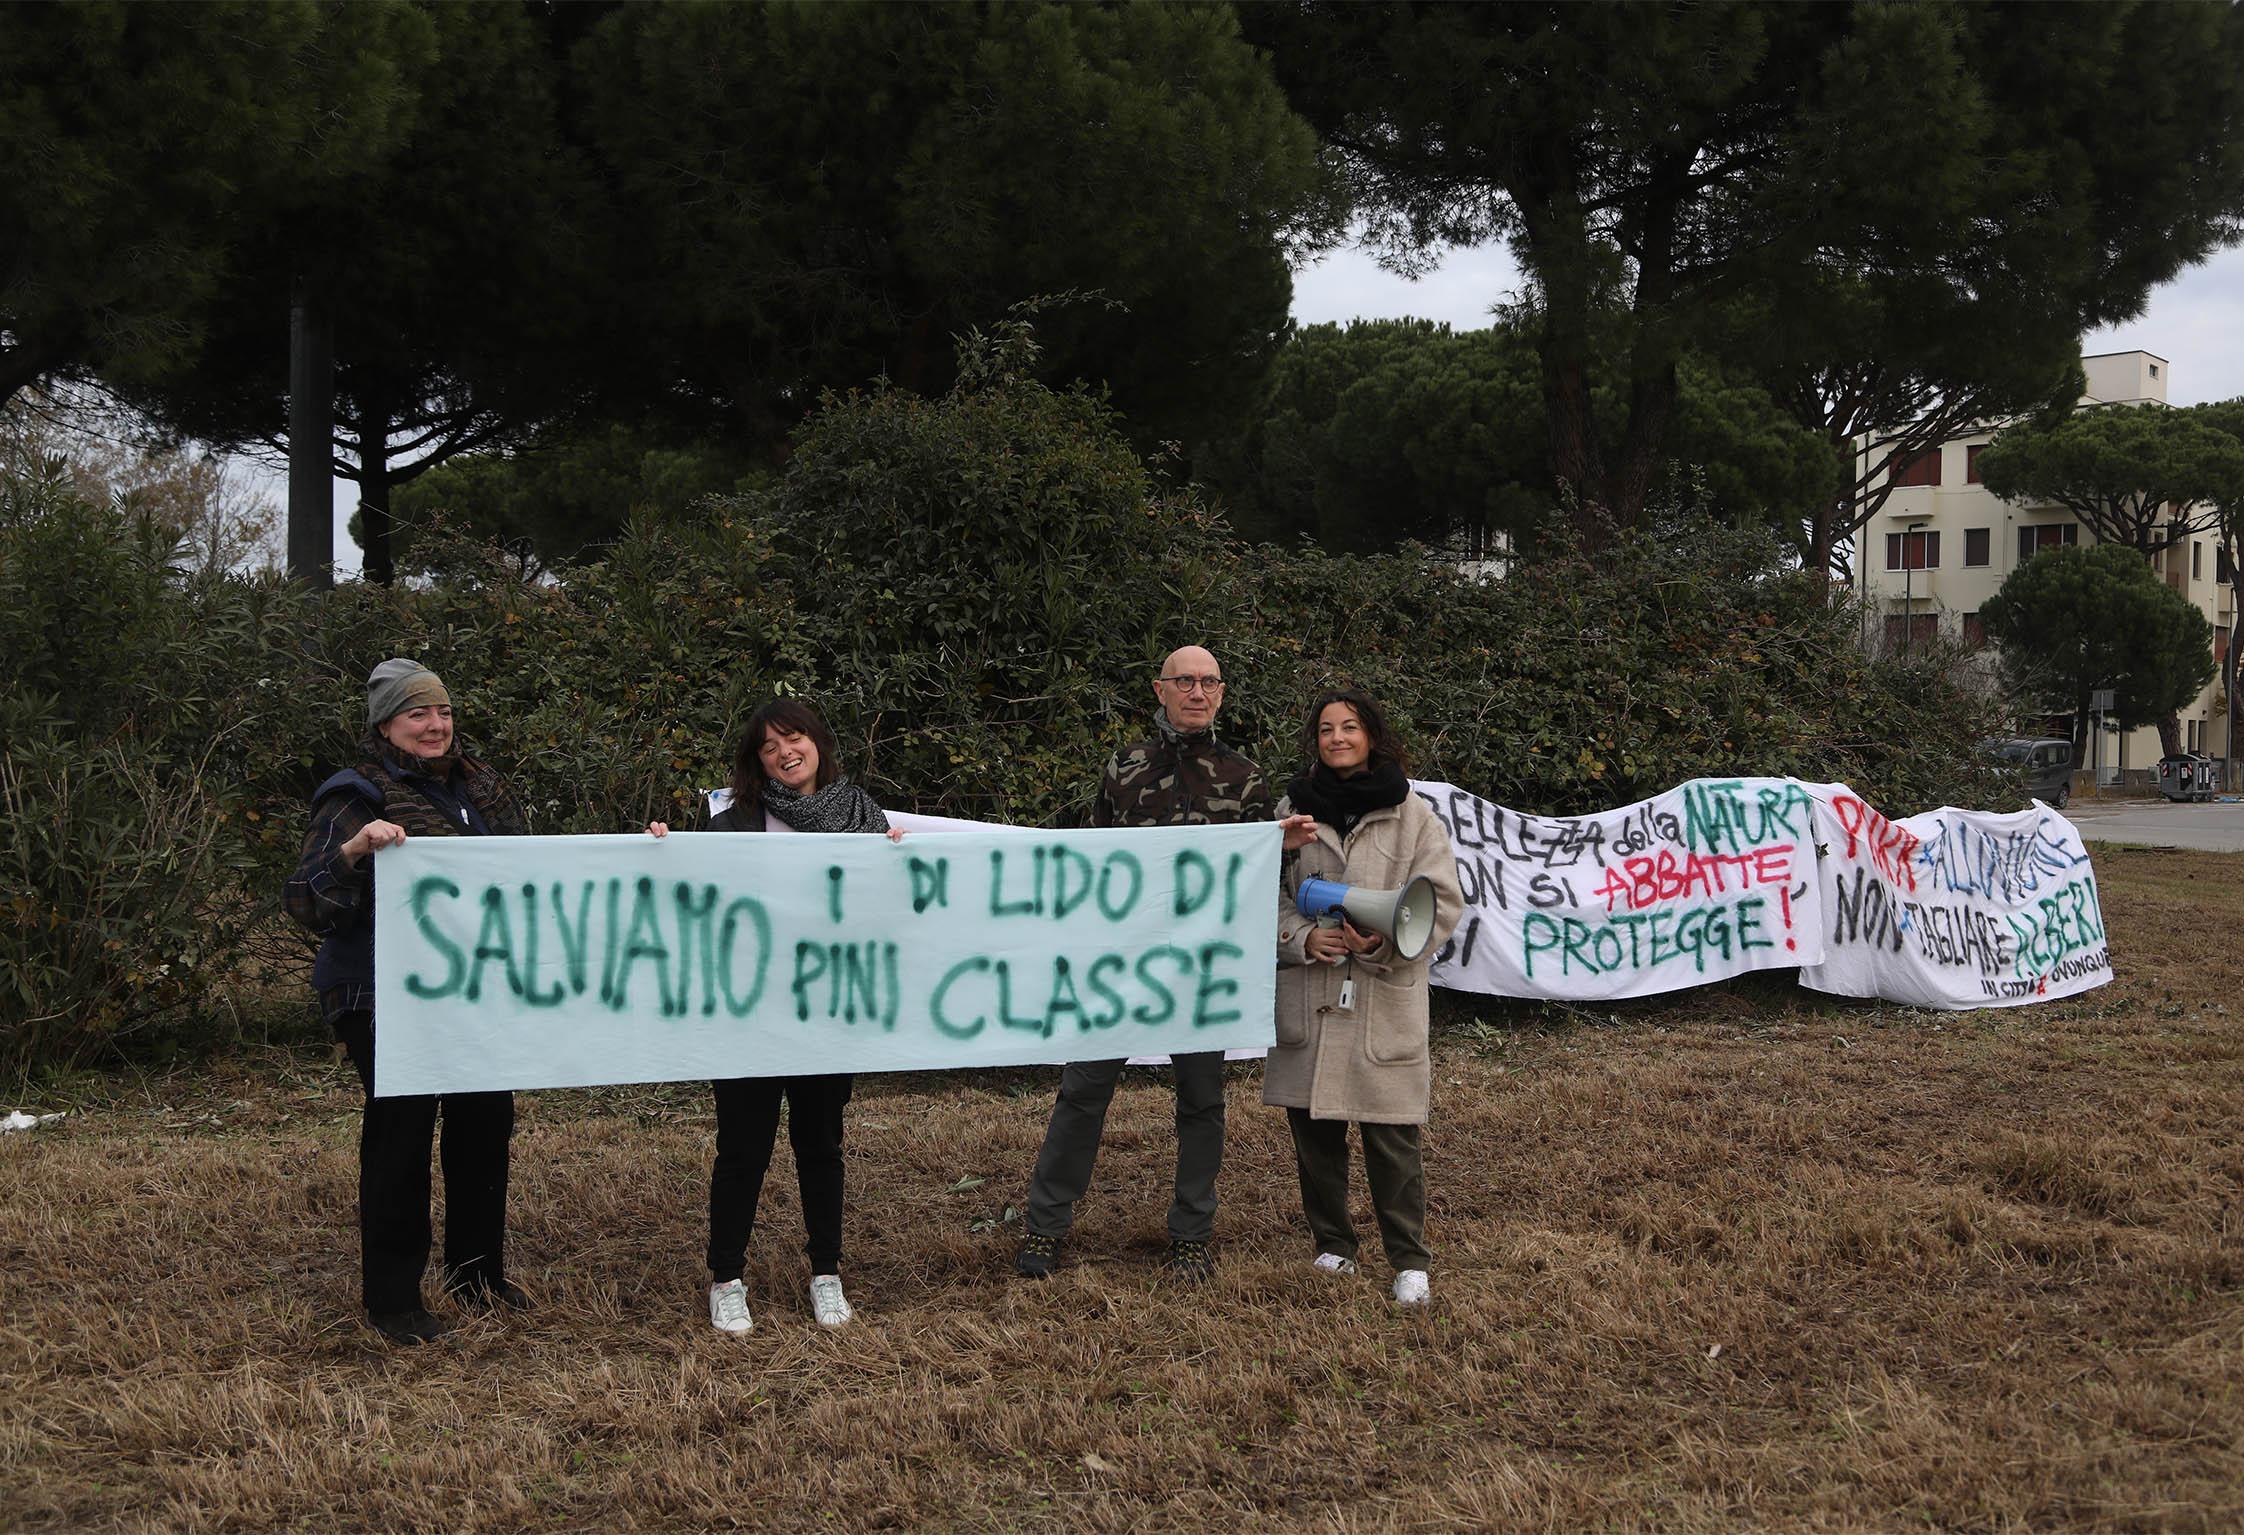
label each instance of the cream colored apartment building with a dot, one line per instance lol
(1942, 544)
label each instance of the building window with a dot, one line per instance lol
(2035, 537)
(1924, 469)
(1975, 632)
(1912, 631)
(2220, 646)
(1971, 463)
(1912, 551)
(2223, 571)
(1976, 542)
(2194, 727)
(2154, 370)
(2197, 559)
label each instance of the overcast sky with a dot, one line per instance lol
(2195, 322)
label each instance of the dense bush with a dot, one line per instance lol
(122, 892)
(985, 583)
(976, 588)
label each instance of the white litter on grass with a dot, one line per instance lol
(18, 1120)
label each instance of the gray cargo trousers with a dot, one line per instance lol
(1071, 1145)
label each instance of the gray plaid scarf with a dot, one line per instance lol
(840, 806)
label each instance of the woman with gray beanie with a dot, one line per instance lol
(412, 780)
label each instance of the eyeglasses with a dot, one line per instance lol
(1194, 684)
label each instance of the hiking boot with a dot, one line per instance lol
(407, 1327)
(1189, 1261)
(1039, 1255)
(1411, 1288)
(728, 1307)
(487, 1294)
(1333, 1263)
(826, 1301)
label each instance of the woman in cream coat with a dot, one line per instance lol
(1352, 1016)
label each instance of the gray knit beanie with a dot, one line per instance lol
(399, 684)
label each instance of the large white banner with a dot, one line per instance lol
(1711, 879)
(522, 962)
(1955, 908)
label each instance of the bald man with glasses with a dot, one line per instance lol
(1181, 776)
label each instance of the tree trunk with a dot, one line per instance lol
(1651, 403)
(1822, 540)
(1557, 255)
(311, 438)
(1563, 349)
(1652, 344)
(1575, 461)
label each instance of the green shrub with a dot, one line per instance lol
(984, 584)
(122, 895)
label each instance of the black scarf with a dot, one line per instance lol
(1341, 802)
(840, 806)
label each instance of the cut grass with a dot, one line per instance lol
(1745, 1259)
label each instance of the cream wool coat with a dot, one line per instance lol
(1368, 1062)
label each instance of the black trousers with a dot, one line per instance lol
(393, 1182)
(747, 1133)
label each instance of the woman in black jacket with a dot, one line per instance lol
(413, 780)
(787, 768)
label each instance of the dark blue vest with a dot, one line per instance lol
(347, 954)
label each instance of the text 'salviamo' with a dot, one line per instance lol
(566, 961)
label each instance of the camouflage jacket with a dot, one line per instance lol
(1173, 780)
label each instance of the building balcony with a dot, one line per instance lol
(1906, 502)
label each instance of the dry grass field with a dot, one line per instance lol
(1744, 1260)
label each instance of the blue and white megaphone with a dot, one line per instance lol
(1405, 917)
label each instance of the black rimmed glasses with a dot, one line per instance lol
(1194, 684)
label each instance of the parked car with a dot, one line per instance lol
(2047, 762)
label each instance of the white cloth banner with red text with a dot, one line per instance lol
(1955, 908)
(1712, 879)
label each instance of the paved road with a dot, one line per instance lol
(2211, 828)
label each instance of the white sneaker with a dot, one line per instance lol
(1411, 1288)
(728, 1307)
(826, 1302)
(1333, 1263)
